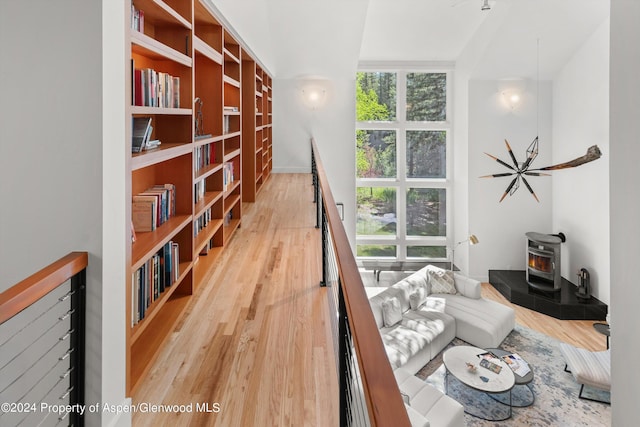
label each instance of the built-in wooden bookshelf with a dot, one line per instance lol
(256, 128)
(187, 76)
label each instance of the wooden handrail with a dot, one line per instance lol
(34, 287)
(384, 401)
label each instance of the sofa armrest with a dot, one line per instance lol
(470, 288)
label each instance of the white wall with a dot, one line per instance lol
(624, 120)
(248, 20)
(333, 127)
(53, 122)
(580, 195)
(501, 227)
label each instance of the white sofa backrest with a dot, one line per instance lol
(400, 290)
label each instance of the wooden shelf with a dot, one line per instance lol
(208, 170)
(206, 50)
(144, 45)
(210, 197)
(147, 344)
(148, 243)
(147, 111)
(206, 234)
(152, 310)
(185, 39)
(158, 155)
(160, 13)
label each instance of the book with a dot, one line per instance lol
(143, 213)
(517, 364)
(490, 361)
(493, 367)
(140, 133)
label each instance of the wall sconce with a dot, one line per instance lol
(512, 98)
(512, 92)
(313, 91)
(313, 96)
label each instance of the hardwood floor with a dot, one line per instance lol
(255, 338)
(577, 332)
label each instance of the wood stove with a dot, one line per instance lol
(543, 261)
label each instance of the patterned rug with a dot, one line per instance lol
(556, 392)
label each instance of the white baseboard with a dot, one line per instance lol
(292, 170)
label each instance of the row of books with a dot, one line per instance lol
(152, 278)
(200, 189)
(201, 222)
(153, 207)
(226, 124)
(153, 88)
(205, 155)
(137, 19)
(228, 175)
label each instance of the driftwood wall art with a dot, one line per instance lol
(520, 170)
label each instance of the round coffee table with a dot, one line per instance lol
(519, 400)
(481, 379)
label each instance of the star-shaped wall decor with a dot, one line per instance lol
(520, 170)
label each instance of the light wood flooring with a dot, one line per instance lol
(255, 338)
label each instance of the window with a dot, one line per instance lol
(403, 157)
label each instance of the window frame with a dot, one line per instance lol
(401, 182)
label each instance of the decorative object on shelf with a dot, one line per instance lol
(521, 169)
(199, 126)
(473, 240)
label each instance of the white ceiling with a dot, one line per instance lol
(327, 38)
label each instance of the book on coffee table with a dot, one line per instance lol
(517, 364)
(490, 361)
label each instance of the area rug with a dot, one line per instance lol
(556, 392)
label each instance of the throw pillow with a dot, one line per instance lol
(417, 298)
(442, 282)
(391, 312)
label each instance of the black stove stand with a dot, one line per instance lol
(563, 304)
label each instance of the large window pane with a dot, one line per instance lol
(376, 211)
(426, 251)
(375, 97)
(376, 153)
(426, 154)
(426, 97)
(376, 251)
(426, 212)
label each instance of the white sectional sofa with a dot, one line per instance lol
(413, 335)
(426, 405)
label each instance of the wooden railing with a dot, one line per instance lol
(369, 394)
(42, 346)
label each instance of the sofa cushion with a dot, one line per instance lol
(402, 343)
(440, 409)
(391, 312)
(400, 290)
(470, 288)
(420, 278)
(442, 282)
(418, 297)
(480, 322)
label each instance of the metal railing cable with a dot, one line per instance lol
(42, 346)
(369, 394)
